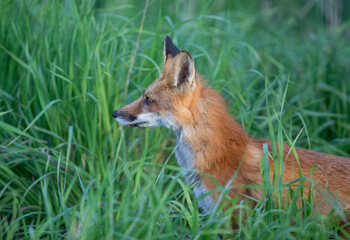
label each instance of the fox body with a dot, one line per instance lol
(211, 143)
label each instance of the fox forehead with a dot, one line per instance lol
(154, 88)
(157, 89)
(160, 85)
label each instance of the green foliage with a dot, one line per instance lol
(68, 170)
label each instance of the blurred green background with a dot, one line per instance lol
(67, 169)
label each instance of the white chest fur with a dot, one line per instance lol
(185, 157)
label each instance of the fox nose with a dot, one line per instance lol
(115, 114)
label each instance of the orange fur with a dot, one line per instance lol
(219, 145)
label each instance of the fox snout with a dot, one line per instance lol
(115, 114)
(125, 118)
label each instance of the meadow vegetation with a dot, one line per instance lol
(68, 170)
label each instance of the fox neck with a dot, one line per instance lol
(212, 140)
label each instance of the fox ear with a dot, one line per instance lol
(181, 72)
(170, 50)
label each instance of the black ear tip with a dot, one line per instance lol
(169, 47)
(168, 40)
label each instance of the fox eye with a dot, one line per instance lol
(148, 101)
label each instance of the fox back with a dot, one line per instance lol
(211, 143)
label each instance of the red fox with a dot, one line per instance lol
(211, 143)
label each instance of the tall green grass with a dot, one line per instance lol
(68, 170)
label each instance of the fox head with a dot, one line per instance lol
(167, 101)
